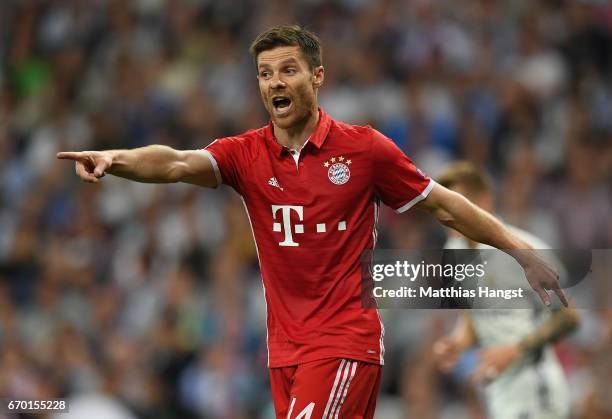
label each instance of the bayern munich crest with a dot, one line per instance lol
(338, 170)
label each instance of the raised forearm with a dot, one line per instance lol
(560, 324)
(151, 164)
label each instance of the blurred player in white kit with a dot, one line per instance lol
(517, 366)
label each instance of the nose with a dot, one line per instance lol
(277, 82)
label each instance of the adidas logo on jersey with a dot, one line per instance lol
(274, 182)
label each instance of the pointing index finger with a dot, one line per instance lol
(70, 155)
(561, 296)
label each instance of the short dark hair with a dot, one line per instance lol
(289, 35)
(467, 175)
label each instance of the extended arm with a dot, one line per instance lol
(456, 211)
(151, 164)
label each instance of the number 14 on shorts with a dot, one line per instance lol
(304, 414)
(333, 388)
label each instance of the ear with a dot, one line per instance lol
(318, 75)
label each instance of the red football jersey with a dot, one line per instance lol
(313, 213)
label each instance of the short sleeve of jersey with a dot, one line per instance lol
(397, 181)
(225, 155)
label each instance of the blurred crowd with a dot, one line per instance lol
(144, 301)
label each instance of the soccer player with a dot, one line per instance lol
(520, 372)
(311, 187)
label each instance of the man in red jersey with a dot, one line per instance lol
(311, 187)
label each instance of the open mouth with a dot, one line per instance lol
(281, 104)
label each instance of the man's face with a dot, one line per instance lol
(287, 85)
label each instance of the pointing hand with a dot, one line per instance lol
(90, 166)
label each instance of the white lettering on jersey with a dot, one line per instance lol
(286, 214)
(285, 224)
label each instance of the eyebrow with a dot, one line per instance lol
(290, 60)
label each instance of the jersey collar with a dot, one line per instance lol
(317, 138)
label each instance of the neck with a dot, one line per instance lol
(294, 137)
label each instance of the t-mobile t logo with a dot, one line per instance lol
(277, 227)
(286, 214)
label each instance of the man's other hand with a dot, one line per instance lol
(542, 277)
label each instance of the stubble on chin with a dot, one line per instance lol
(304, 109)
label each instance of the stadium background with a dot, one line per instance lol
(144, 301)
